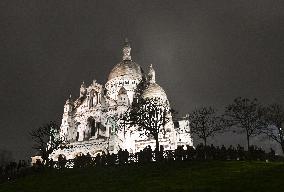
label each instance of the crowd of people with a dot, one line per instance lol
(13, 170)
(182, 153)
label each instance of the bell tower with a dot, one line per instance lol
(83, 89)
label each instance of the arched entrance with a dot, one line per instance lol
(92, 126)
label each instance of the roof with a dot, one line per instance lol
(122, 90)
(154, 91)
(126, 68)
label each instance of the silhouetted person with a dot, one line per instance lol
(240, 152)
(98, 160)
(179, 153)
(212, 152)
(200, 152)
(149, 154)
(125, 156)
(223, 153)
(271, 154)
(231, 153)
(120, 157)
(103, 159)
(190, 152)
(61, 161)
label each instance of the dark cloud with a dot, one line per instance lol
(204, 53)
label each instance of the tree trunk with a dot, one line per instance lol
(282, 147)
(157, 149)
(157, 144)
(248, 142)
(205, 142)
(205, 148)
(281, 137)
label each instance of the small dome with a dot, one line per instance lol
(154, 91)
(126, 68)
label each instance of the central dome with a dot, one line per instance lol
(126, 68)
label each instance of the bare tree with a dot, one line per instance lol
(149, 115)
(205, 123)
(274, 119)
(245, 114)
(46, 139)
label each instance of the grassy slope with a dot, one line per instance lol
(183, 176)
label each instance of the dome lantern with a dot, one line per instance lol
(152, 75)
(126, 51)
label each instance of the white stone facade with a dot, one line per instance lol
(92, 123)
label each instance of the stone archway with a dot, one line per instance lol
(77, 125)
(92, 126)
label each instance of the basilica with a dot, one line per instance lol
(92, 123)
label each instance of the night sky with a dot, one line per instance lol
(204, 53)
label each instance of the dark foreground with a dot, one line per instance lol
(176, 176)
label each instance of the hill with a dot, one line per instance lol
(176, 176)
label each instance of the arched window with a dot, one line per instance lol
(95, 100)
(90, 102)
(77, 130)
(77, 136)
